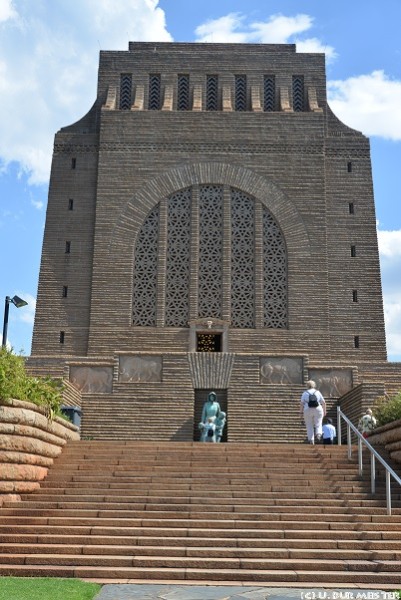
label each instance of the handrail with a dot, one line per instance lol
(373, 456)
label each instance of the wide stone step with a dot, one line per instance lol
(122, 526)
(211, 504)
(205, 552)
(236, 513)
(201, 575)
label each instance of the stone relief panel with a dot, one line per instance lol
(140, 369)
(332, 383)
(92, 380)
(280, 370)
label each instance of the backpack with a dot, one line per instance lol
(210, 432)
(313, 401)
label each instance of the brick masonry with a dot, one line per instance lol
(306, 168)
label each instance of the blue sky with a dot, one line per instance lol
(48, 72)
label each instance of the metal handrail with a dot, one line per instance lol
(373, 456)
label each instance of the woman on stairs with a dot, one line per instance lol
(313, 409)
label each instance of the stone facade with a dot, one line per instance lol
(209, 202)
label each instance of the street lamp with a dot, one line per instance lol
(18, 302)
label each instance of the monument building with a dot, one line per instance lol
(210, 226)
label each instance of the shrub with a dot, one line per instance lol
(387, 409)
(16, 383)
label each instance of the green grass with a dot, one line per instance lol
(42, 588)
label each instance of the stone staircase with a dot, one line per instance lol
(266, 513)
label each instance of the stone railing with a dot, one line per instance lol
(29, 442)
(389, 436)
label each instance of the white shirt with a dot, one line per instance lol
(305, 397)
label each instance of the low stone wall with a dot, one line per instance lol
(389, 436)
(29, 442)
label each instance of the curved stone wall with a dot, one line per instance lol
(389, 436)
(29, 442)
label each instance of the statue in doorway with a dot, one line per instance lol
(210, 413)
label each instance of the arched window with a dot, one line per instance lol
(210, 251)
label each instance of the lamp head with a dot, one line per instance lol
(18, 302)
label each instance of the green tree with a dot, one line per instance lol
(16, 383)
(387, 409)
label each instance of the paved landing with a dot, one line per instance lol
(226, 592)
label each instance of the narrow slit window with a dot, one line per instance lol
(183, 92)
(62, 337)
(349, 167)
(354, 295)
(353, 251)
(269, 93)
(298, 93)
(68, 247)
(125, 91)
(73, 163)
(211, 92)
(154, 92)
(240, 93)
(351, 208)
(356, 341)
(65, 291)
(70, 204)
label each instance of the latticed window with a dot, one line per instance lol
(145, 271)
(212, 100)
(178, 257)
(154, 92)
(210, 250)
(233, 252)
(269, 93)
(275, 274)
(298, 94)
(240, 93)
(242, 260)
(125, 91)
(183, 92)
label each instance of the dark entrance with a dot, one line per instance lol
(200, 399)
(208, 342)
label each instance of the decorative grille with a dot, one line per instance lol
(145, 272)
(178, 255)
(125, 91)
(212, 92)
(244, 256)
(154, 92)
(183, 92)
(240, 93)
(275, 274)
(298, 96)
(269, 89)
(210, 250)
(242, 260)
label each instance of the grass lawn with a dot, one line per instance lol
(42, 588)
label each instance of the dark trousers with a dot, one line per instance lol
(327, 441)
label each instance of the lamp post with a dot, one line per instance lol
(18, 302)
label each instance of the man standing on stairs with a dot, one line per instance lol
(313, 409)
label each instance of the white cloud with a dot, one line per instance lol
(369, 103)
(390, 263)
(313, 45)
(49, 65)
(7, 10)
(26, 314)
(223, 30)
(278, 29)
(38, 204)
(389, 243)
